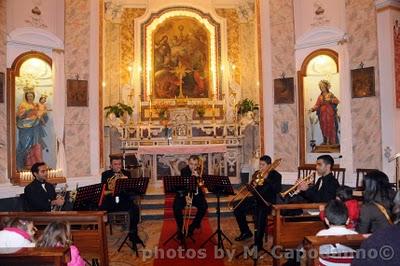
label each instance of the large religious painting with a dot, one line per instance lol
(181, 59)
(321, 107)
(181, 56)
(35, 138)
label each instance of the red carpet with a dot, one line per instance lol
(172, 254)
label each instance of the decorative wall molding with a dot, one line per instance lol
(383, 4)
(321, 36)
(32, 36)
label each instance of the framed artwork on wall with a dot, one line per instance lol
(363, 82)
(77, 92)
(284, 91)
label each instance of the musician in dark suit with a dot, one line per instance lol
(121, 202)
(199, 201)
(268, 191)
(325, 188)
(39, 194)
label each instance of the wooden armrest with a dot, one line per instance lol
(297, 206)
(34, 252)
(317, 241)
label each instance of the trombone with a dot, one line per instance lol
(189, 198)
(257, 180)
(293, 190)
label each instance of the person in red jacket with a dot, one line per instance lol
(345, 194)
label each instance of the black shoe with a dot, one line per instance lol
(179, 235)
(191, 229)
(244, 236)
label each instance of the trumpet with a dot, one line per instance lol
(292, 191)
(257, 180)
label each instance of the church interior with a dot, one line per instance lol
(221, 132)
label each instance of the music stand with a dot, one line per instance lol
(220, 186)
(88, 197)
(397, 158)
(175, 185)
(133, 186)
(265, 204)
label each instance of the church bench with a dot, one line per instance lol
(289, 231)
(313, 243)
(34, 256)
(87, 227)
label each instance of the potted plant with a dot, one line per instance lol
(162, 111)
(201, 111)
(246, 105)
(118, 111)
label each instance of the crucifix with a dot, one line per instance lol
(180, 71)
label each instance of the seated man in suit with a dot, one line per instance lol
(270, 188)
(324, 189)
(39, 194)
(199, 200)
(122, 202)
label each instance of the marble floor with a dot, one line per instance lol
(150, 231)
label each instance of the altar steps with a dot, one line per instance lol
(153, 206)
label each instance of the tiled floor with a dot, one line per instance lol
(150, 233)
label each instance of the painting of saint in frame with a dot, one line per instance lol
(34, 95)
(181, 59)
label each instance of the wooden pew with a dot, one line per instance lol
(34, 256)
(289, 231)
(87, 227)
(313, 243)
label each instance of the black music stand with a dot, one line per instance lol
(178, 185)
(132, 186)
(256, 252)
(220, 186)
(88, 197)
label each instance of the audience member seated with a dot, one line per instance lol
(336, 217)
(39, 194)
(387, 238)
(17, 233)
(375, 211)
(345, 194)
(58, 234)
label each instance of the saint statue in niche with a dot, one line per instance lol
(31, 120)
(326, 109)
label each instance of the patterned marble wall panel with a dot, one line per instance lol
(283, 60)
(362, 28)
(248, 61)
(3, 120)
(77, 39)
(77, 148)
(233, 31)
(127, 40)
(112, 59)
(286, 136)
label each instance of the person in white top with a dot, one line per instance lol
(336, 217)
(17, 233)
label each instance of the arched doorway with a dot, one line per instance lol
(31, 135)
(319, 105)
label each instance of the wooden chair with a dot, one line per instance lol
(34, 256)
(87, 227)
(289, 231)
(313, 243)
(303, 171)
(361, 172)
(340, 175)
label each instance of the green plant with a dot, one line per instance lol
(201, 111)
(245, 106)
(118, 109)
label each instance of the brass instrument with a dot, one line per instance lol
(61, 195)
(112, 181)
(292, 191)
(189, 198)
(257, 180)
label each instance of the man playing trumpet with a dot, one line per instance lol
(122, 202)
(324, 189)
(198, 200)
(268, 190)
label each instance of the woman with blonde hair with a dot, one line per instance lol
(58, 234)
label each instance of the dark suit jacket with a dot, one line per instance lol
(186, 171)
(325, 193)
(38, 199)
(271, 187)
